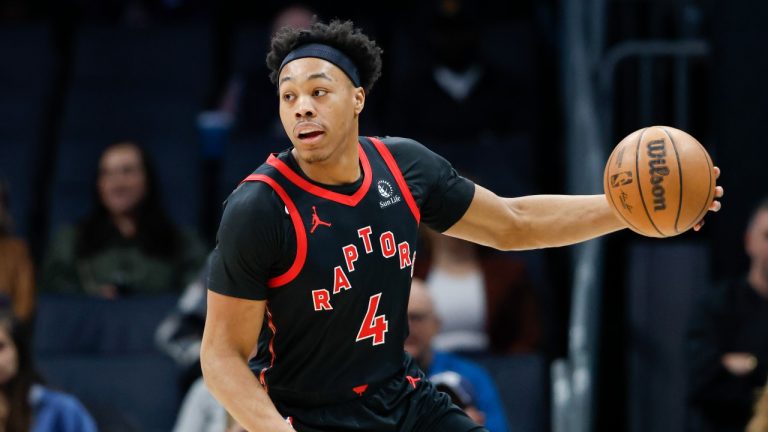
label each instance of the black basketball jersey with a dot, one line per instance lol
(337, 318)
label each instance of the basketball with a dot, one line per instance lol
(660, 181)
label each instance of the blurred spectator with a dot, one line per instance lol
(461, 392)
(485, 300)
(181, 332)
(26, 405)
(453, 94)
(127, 244)
(759, 422)
(728, 339)
(200, 411)
(423, 325)
(17, 280)
(251, 98)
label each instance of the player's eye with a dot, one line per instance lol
(288, 97)
(319, 92)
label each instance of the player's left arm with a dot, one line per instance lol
(539, 221)
(535, 221)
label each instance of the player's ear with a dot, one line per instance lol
(359, 95)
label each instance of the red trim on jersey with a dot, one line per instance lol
(350, 200)
(390, 161)
(298, 225)
(262, 375)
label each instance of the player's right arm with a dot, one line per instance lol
(232, 329)
(249, 238)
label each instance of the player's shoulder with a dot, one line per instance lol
(406, 149)
(253, 197)
(401, 143)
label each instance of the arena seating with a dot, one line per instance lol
(523, 387)
(146, 85)
(26, 85)
(103, 352)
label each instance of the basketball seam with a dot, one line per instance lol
(680, 174)
(640, 186)
(610, 195)
(706, 203)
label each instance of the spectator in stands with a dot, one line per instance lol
(461, 392)
(456, 85)
(728, 339)
(245, 99)
(200, 411)
(759, 422)
(17, 282)
(127, 244)
(180, 334)
(423, 326)
(26, 405)
(485, 300)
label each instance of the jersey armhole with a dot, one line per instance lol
(298, 225)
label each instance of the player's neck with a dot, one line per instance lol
(342, 167)
(758, 281)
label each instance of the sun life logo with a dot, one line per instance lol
(388, 193)
(385, 189)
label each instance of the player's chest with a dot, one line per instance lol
(362, 239)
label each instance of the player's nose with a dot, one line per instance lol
(304, 108)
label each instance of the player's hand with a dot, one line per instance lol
(715, 206)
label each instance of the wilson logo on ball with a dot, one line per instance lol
(673, 181)
(657, 153)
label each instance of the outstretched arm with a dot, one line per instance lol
(232, 330)
(539, 221)
(536, 221)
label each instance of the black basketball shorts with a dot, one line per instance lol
(407, 402)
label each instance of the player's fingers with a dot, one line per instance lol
(715, 206)
(717, 172)
(719, 192)
(698, 225)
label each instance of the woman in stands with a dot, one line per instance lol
(26, 405)
(17, 284)
(127, 244)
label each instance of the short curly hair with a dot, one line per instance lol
(341, 35)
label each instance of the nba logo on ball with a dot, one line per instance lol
(621, 179)
(666, 183)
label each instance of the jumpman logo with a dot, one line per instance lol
(412, 380)
(316, 221)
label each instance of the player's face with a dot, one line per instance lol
(757, 241)
(319, 108)
(122, 181)
(9, 358)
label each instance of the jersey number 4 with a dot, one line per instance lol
(373, 326)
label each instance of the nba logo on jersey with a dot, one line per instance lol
(388, 193)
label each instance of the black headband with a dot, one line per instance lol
(325, 52)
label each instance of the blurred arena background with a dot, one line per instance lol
(559, 83)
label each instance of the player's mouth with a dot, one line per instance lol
(310, 137)
(309, 132)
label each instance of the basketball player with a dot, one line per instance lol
(316, 249)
